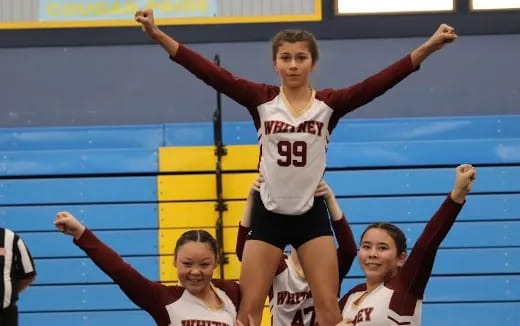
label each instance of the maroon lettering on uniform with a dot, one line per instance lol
(286, 297)
(201, 322)
(363, 315)
(277, 127)
(368, 311)
(319, 124)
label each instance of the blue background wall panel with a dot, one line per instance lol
(442, 152)
(75, 297)
(97, 217)
(421, 128)
(88, 318)
(60, 162)
(471, 314)
(124, 242)
(83, 270)
(463, 288)
(421, 208)
(138, 136)
(418, 181)
(78, 190)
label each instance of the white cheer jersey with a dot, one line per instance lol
(398, 301)
(292, 146)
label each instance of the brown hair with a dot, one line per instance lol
(293, 36)
(196, 236)
(393, 231)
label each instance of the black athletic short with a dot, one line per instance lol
(281, 230)
(9, 316)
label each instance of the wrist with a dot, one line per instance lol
(77, 234)
(458, 195)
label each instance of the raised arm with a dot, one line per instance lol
(417, 268)
(147, 21)
(139, 289)
(444, 34)
(244, 92)
(348, 99)
(245, 221)
(347, 249)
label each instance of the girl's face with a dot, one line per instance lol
(378, 256)
(294, 63)
(195, 262)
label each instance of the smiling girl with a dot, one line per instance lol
(294, 123)
(198, 300)
(394, 287)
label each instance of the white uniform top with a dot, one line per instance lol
(189, 310)
(168, 305)
(293, 153)
(398, 301)
(374, 309)
(292, 146)
(290, 299)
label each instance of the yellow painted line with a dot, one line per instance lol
(203, 186)
(202, 158)
(187, 158)
(186, 187)
(230, 238)
(266, 317)
(198, 214)
(241, 157)
(232, 269)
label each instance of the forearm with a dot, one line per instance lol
(334, 210)
(245, 221)
(421, 53)
(458, 195)
(169, 44)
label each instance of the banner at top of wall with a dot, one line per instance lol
(85, 10)
(33, 14)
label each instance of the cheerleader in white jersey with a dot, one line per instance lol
(290, 297)
(198, 301)
(293, 123)
(394, 288)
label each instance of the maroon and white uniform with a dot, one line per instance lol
(292, 145)
(290, 297)
(398, 301)
(168, 305)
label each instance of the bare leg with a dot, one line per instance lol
(322, 277)
(259, 264)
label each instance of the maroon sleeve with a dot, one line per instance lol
(232, 290)
(241, 240)
(244, 92)
(146, 294)
(418, 267)
(347, 99)
(347, 249)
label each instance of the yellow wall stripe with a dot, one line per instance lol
(202, 158)
(198, 214)
(203, 186)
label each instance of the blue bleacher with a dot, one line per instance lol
(395, 170)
